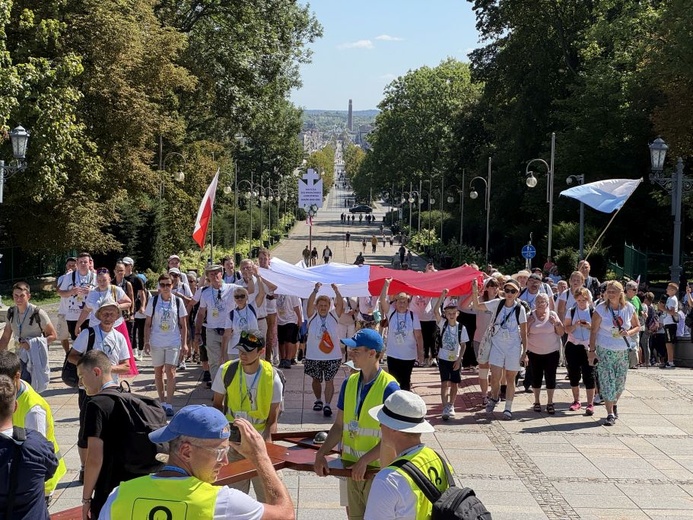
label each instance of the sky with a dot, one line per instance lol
(367, 44)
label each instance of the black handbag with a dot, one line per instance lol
(69, 374)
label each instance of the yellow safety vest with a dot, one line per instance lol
(151, 497)
(431, 465)
(238, 398)
(355, 444)
(25, 402)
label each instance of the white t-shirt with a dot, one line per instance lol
(165, 332)
(672, 303)
(75, 303)
(317, 325)
(286, 309)
(96, 297)
(401, 343)
(450, 346)
(217, 301)
(182, 289)
(581, 335)
(230, 503)
(239, 320)
(608, 335)
(64, 301)
(111, 343)
(507, 325)
(368, 304)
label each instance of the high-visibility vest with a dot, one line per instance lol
(367, 435)
(25, 402)
(237, 397)
(180, 498)
(432, 466)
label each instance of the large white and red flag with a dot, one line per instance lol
(204, 214)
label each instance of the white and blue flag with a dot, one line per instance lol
(607, 195)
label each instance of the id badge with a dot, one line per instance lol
(215, 312)
(451, 356)
(353, 428)
(615, 333)
(164, 326)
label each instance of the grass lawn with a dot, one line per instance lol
(37, 298)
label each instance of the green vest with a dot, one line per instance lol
(359, 441)
(25, 402)
(432, 466)
(179, 498)
(238, 399)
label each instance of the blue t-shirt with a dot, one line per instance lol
(390, 388)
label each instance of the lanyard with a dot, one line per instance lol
(20, 324)
(247, 394)
(360, 387)
(175, 469)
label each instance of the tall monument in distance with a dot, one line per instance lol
(350, 119)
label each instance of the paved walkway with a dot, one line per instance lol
(534, 467)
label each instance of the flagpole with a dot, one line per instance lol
(602, 234)
(211, 240)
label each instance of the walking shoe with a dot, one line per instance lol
(491, 405)
(206, 377)
(446, 412)
(484, 400)
(139, 355)
(575, 406)
(182, 365)
(589, 410)
(598, 399)
(168, 409)
(668, 364)
(610, 420)
(451, 411)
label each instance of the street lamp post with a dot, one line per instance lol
(677, 185)
(580, 179)
(178, 176)
(20, 139)
(532, 182)
(487, 200)
(450, 200)
(248, 196)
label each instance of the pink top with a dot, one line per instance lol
(541, 336)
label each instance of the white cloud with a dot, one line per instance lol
(388, 77)
(388, 38)
(360, 44)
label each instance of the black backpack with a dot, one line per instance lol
(69, 371)
(143, 414)
(452, 504)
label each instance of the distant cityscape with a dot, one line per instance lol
(321, 127)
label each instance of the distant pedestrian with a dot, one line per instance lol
(391, 240)
(363, 244)
(353, 218)
(306, 256)
(314, 256)
(326, 255)
(347, 238)
(360, 218)
(374, 244)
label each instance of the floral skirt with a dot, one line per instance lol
(612, 370)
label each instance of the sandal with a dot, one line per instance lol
(537, 407)
(550, 409)
(507, 414)
(327, 411)
(317, 406)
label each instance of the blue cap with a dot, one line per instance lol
(197, 421)
(368, 338)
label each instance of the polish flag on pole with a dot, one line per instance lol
(204, 214)
(309, 220)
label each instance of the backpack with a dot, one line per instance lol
(573, 310)
(452, 504)
(19, 437)
(441, 333)
(143, 415)
(249, 306)
(69, 371)
(653, 322)
(179, 304)
(233, 369)
(35, 317)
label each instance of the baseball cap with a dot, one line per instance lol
(174, 270)
(512, 282)
(197, 421)
(108, 302)
(403, 411)
(128, 261)
(173, 257)
(213, 267)
(368, 338)
(250, 340)
(534, 276)
(524, 272)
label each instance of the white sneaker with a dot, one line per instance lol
(138, 355)
(451, 411)
(434, 363)
(182, 365)
(598, 399)
(446, 412)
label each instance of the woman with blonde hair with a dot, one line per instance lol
(613, 321)
(566, 300)
(578, 324)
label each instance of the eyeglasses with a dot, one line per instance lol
(510, 290)
(239, 296)
(174, 275)
(221, 452)
(102, 270)
(165, 285)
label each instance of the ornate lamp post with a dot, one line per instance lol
(532, 182)
(487, 200)
(20, 140)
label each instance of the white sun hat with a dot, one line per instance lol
(403, 411)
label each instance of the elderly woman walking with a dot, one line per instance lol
(613, 322)
(544, 331)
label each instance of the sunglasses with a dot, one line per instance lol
(174, 275)
(102, 270)
(221, 452)
(239, 296)
(165, 285)
(250, 336)
(510, 290)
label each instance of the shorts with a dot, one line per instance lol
(447, 373)
(164, 356)
(505, 355)
(322, 369)
(287, 333)
(61, 329)
(670, 332)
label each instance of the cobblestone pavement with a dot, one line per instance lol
(536, 466)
